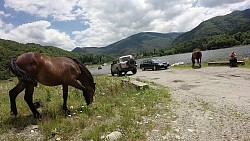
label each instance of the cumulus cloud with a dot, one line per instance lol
(217, 3)
(61, 10)
(3, 14)
(39, 32)
(112, 20)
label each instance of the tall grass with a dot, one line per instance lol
(116, 107)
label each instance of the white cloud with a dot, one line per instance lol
(112, 20)
(61, 10)
(217, 3)
(39, 32)
(2, 13)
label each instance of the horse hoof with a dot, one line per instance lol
(38, 116)
(13, 115)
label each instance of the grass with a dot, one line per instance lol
(116, 107)
(247, 63)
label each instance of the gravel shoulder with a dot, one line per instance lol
(211, 103)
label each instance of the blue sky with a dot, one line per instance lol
(71, 23)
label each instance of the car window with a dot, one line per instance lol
(124, 58)
(156, 61)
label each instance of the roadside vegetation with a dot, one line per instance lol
(247, 63)
(189, 66)
(116, 107)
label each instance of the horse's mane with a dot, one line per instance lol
(84, 69)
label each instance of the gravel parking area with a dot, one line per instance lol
(211, 103)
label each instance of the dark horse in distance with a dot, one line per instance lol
(31, 68)
(196, 55)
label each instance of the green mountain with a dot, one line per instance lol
(237, 21)
(145, 41)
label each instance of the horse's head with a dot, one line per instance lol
(89, 93)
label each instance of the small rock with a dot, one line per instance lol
(34, 126)
(177, 137)
(177, 130)
(190, 130)
(114, 136)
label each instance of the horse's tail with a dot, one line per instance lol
(21, 74)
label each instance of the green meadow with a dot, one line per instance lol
(116, 107)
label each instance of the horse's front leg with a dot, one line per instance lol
(199, 60)
(65, 98)
(28, 97)
(13, 94)
(193, 61)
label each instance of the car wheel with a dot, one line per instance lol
(134, 71)
(112, 73)
(131, 62)
(154, 68)
(143, 69)
(119, 73)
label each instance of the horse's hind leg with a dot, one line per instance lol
(199, 61)
(28, 97)
(65, 97)
(13, 94)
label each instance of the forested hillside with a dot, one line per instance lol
(219, 32)
(10, 49)
(213, 42)
(237, 21)
(138, 43)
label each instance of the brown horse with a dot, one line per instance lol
(196, 55)
(31, 68)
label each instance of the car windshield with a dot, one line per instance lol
(124, 58)
(156, 61)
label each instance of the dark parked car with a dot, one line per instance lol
(154, 64)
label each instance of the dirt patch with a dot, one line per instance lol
(210, 103)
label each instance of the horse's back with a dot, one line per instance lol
(48, 70)
(196, 54)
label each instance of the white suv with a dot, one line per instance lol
(124, 64)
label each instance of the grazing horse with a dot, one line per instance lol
(196, 55)
(31, 68)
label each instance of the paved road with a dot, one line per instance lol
(212, 103)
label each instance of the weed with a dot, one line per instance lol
(115, 108)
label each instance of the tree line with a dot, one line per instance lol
(10, 49)
(209, 43)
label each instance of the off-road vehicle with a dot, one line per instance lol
(123, 64)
